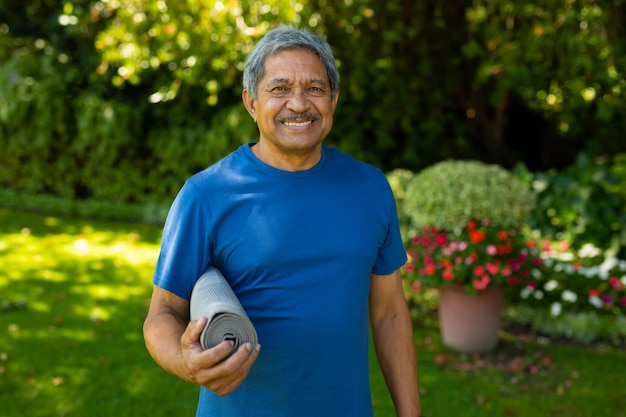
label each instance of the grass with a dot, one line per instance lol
(74, 292)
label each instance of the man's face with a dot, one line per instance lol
(294, 108)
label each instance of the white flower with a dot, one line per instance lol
(569, 269)
(589, 251)
(538, 294)
(588, 272)
(596, 302)
(570, 296)
(526, 291)
(606, 266)
(566, 257)
(550, 285)
(623, 279)
(555, 309)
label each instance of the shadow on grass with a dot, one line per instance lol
(73, 298)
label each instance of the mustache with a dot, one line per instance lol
(298, 116)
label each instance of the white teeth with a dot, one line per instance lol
(298, 124)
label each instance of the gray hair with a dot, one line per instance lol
(285, 38)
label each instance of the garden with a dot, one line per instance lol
(496, 122)
(74, 289)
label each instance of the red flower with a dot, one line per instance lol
(481, 284)
(492, 267)
(594, 292)
(430, 269)
(441, 239)
(614, 282)
(513, 281)
(476, 236)
(476, 257)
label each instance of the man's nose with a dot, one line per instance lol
(298, 100)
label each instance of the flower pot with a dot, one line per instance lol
(470, 323)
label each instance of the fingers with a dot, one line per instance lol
(210, 367)
(234, 370)
(191, 336)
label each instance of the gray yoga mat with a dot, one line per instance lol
(213, 298)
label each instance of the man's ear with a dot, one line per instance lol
(250, 103)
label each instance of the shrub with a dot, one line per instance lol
(449, 194)
(465, 223)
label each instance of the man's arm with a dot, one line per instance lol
(393, 340)
(174, 343)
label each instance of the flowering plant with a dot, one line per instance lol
(574, 281)
(476, 256)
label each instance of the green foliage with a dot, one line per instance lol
(398, 180)
(85, 209)
(93, 93)
(584, 203)
(585, 327)
(450, 193)
(193, 42)
(34, 115)
(565, 60)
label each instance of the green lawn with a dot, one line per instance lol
(73, 295)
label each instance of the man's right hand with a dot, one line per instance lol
(208, 367)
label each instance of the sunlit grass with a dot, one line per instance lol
(74, 293)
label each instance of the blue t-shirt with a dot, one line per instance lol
(298, 249)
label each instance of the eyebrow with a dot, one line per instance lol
(317, 81)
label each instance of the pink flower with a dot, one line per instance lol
(491, 250)
(481, 284)
(614, 282)
(492, 268)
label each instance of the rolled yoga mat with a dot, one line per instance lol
(213, 298)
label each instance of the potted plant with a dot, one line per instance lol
(467, 219)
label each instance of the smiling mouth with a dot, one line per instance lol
(296, 124)
(299, 120)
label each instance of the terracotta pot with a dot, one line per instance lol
(470, 323)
